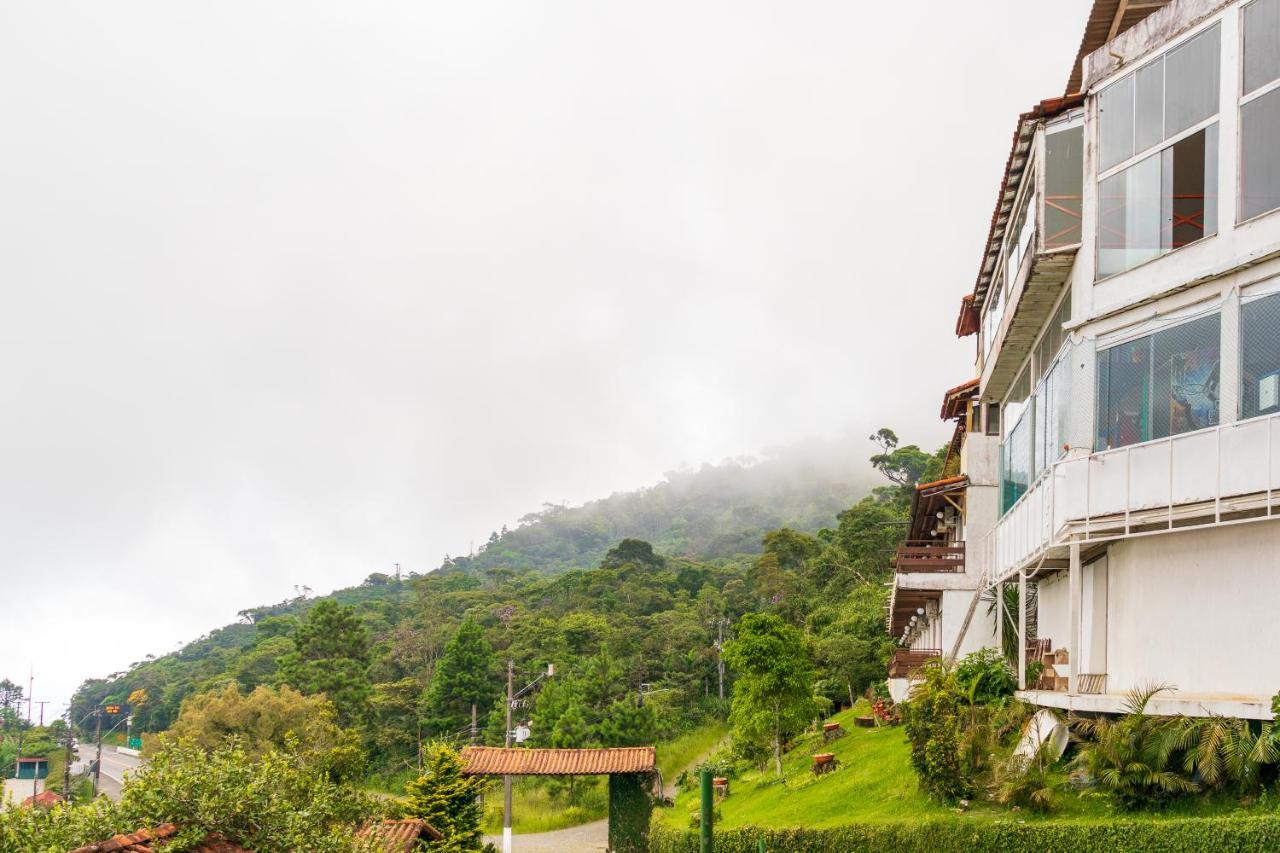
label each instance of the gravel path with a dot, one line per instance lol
(588, 838)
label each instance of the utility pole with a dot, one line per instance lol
(473, 723)
(506, 780)
(97, 765)
(42, 703)
(66, 769)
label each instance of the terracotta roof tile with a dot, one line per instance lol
(497, 761)
(141, 842)
(399, 836)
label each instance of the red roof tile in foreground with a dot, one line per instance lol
(399, 836)
(497, 761)
(141, 842)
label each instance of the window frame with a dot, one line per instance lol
(1243, 99)
(1154, 150)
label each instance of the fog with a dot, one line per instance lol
(294, 291)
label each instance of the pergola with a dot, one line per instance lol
(630, 770)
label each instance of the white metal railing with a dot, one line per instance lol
(1175, 483)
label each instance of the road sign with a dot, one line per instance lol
(135, 743)
(112, 709)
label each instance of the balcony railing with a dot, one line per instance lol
(906, 661)
(926, 556)
(1226, 474)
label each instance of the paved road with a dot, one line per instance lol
(114, 767)
(588, 838)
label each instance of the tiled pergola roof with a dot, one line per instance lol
(498, 761)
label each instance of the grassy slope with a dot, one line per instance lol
(875, 783)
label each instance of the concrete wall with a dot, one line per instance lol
(1196, 610)
(982, 629)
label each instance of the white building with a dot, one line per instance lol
(1121, 443)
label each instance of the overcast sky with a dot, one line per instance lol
(294, 291)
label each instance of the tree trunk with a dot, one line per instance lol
(852, 701)
(777, 746)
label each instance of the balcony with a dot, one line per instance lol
(904, 662)
(1222, 475)
(929, 556)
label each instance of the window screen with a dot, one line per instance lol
(1260, 357)
(1261, 44)
(1159, 385)
(1063, 176)
(1260, 155)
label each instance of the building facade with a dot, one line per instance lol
(1124, 423)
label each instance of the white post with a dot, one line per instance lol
(1022, 629)
(999, 590)
(1075, 590)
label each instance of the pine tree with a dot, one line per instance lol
(331, 657)
(447, 800)
(465, 676)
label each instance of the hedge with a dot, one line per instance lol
(1175, 835)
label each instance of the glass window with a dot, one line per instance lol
(1063, 176)
(1261, 44)
(1260, 155)
(995, 314)
(1159, 385)
(1160, 203)
(1115, 123)
(1016, 463)
(1160, 100)
(1260, 357)
(1191, 82)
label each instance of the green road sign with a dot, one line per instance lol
(135, 743)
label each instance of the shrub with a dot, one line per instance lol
(1119, 836)
(447, 800)
(1133, 758)
(935, 719)
(984, 677)
(1026, 781)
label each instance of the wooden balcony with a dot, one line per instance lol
(906, 661)
(926, 556)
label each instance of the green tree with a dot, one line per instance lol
(447, 800)
(331, 657)
(464, 678)
(773, 694)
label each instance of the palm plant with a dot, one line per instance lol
(1009, 636)
(1225, 752)
(1133, 757)
(1027, 781)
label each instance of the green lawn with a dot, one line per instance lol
(875, 783)
(677, 755)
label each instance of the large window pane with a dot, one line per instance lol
(1115, 124)
(1063, 177)
(1260, 155)
(1191, 82)
(1160, 385)
(1185, 377)
(1129, 217)
(1124, 388)
(1260, 357)
(1016, 458)
(1261, 43)
(1160, 203)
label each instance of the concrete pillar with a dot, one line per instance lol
(1075, 592)
(999, 591)
(1229, 367)
(1022, 629)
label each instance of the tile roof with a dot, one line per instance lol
(44, 799)
(399, 836)
(1107, 19)
(497, 761)
(141, 842)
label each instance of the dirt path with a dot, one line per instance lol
(587, 838)
(669, 785)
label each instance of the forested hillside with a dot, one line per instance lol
(631, 628)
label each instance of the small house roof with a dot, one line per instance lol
(499, 761)
(143, 840)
